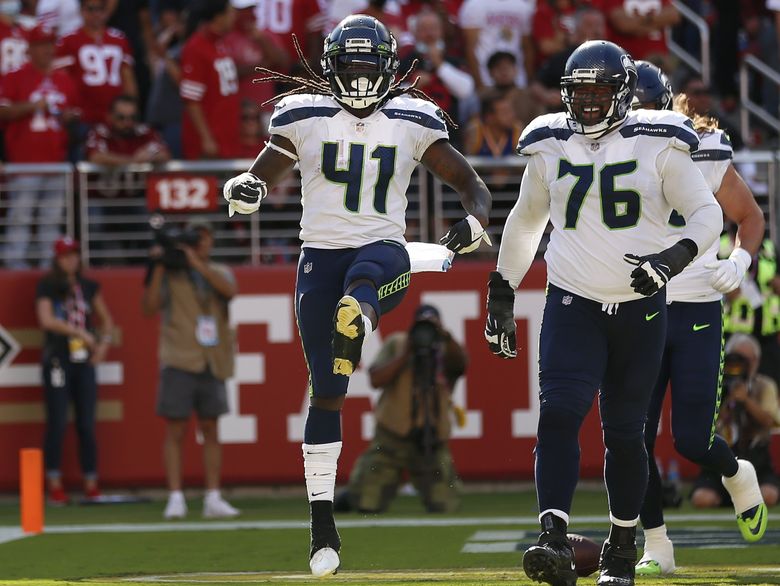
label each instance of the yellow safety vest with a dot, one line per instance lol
(739, 315)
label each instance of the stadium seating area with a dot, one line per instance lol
(492, 76)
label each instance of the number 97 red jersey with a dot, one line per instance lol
(96, 66)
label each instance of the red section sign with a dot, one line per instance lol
(268, 402)
(181, 193)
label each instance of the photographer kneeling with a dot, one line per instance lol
(196, 352)
(416, 372)
(749, 410)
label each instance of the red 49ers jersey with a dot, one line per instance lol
(284, 17)
(37, 137)
(209, 77)
(13, 48)
(96, 66)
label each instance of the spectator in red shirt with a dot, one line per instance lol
(285, 17)
(638, 26)
(13, 47)
(37, 101)
(251, 47)
(100, 59)
(553, 24)
(123, 141)
(209, 88)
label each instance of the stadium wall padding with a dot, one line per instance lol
(263, 432)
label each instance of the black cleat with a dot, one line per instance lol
(348, 334)
(325, 541)
(551, 561)
(618, 560)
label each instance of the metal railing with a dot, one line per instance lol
(36, 207)
(115, 216)
(747, 106)
(109, 210)
(702, 64)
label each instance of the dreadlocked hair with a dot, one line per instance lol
(314, 83)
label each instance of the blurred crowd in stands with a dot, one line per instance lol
(131, 81)
(491, 64)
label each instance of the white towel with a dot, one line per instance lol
(429, 257)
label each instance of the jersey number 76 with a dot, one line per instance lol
(352, 177)
(620, 208)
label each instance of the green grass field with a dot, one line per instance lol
(129, 544)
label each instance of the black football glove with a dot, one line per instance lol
(653, 271)
(465, 236)
(500, 325)
(244, 193)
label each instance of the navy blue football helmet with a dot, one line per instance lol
(359, 61)
(597, 87)
(653, 88)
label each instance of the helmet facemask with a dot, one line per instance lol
(595, 106)
(360, 74)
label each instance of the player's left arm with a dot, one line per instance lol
(737, 201)
(452, 168)
(245, 192)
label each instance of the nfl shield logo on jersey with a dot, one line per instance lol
(308, 267)
(567, 299)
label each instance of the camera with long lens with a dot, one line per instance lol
(170, 238)
(736, 369)
(424, 336)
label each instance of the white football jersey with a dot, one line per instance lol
(355, 171)
(693, 284)
(606, 197)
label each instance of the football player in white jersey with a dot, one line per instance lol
(692, 359)
(357, 137)
(607, 178)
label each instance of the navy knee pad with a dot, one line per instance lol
(623, 446)
(365, 292)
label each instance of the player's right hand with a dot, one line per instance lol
(244, 193)
(500, 328)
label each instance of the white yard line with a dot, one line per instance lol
(10, 533)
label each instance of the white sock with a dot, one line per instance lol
(319, 468)
(620, 523)
(211, 494)
(655, 537)
(557, 512)
(369, 327)
(176, 494)
(743, 487)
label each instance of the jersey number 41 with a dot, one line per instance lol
(352, 177)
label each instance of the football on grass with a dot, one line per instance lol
(586, 554)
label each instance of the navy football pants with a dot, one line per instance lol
(692, 363)
(582, 348)
(323, 276)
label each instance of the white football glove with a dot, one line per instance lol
(465, 236)
(244, 193)
(728, 274)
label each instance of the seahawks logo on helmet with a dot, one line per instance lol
(359, 60)
(653, 88)
(597, 87)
